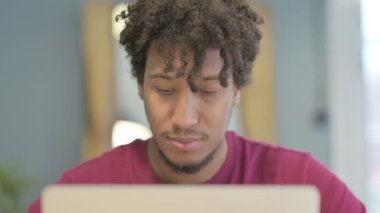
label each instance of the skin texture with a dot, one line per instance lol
(177, 114)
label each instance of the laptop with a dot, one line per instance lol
(180, 198)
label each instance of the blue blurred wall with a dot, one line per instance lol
(300, 72)
(42, 112)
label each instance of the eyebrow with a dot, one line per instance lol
(211, 78)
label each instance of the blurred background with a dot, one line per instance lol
(66, 94)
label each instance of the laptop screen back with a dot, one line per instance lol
(180, 198)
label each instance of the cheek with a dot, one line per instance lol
(157, 112)
(218, 116)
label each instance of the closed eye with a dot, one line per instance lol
(209, 92)
(165, 91)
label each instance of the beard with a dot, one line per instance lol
(190, 168)
(187, 168)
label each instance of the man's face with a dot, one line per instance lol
(188, 128)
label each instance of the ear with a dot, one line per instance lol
(237, 93)
(141, 91)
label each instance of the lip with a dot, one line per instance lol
(185, 144)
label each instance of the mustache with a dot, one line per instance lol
(179, 132)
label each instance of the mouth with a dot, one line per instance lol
(186, 144)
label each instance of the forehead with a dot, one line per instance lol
(157, 61)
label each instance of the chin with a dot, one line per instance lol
(186, 164)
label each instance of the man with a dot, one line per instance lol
(191, 59)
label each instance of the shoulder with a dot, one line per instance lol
(110, 165)
(282, 165)
(278, 161)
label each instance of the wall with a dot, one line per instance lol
(42, 113)
(348, 129)
(300, 72)
(319, 84)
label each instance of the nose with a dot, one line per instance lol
(185, 114)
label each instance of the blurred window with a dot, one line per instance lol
(371, 63)
(125, 132)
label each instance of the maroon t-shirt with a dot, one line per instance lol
(247, 162)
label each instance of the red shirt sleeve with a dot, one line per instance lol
(336, 197)
(35, 207)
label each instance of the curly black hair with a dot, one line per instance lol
(229, 25)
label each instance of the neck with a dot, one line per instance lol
(167, 175)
